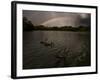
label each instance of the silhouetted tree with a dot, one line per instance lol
(27, 25)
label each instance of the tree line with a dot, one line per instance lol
(27, 26)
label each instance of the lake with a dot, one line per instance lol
(50, 49)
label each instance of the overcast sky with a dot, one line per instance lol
(49, 18)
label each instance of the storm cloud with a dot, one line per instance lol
(51, 18)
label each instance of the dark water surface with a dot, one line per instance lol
(48, 49)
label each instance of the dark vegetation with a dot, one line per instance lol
(28, 26)
(67, 58)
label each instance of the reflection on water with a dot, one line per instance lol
(70, 49)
